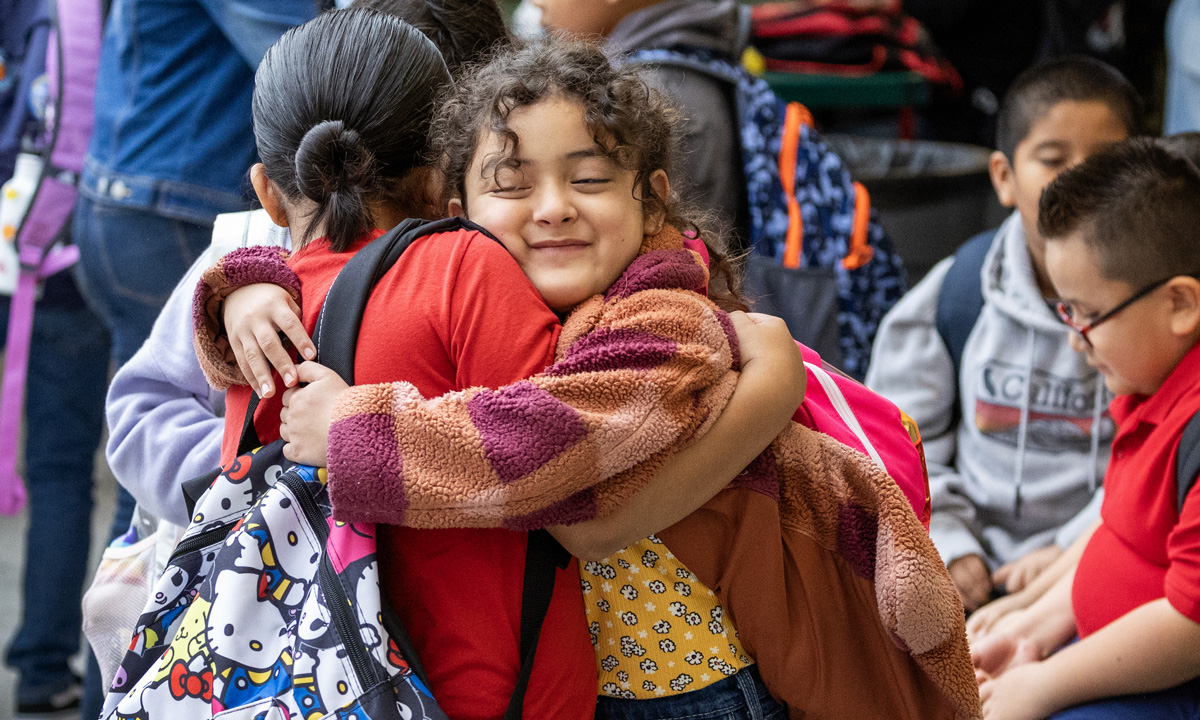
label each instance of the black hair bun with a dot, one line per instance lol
(332, 158)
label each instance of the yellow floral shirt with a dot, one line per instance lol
(656, 628)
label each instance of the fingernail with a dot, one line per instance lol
(265, 389)
(287, 379)
(310, 353)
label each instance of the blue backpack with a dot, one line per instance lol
(819, 257)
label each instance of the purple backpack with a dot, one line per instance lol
(72, 58)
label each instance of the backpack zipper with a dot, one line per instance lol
(335, 595)
(204, 539)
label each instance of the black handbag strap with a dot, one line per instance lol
(543, 556)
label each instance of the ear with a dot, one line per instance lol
(1185, 305)
(268, 195)
(455, 208)
(1001, 172)
(652, 223)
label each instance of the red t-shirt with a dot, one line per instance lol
(457, 312)
(1145, 548)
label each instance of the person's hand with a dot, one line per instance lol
(1019, 694)
(255, 318)
(765, 343)
(307, 414)
(990, 616)
(995, 654)
(1016, 575)
(971, 577)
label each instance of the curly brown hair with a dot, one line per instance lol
(633, 124)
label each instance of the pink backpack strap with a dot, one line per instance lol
(73, 56)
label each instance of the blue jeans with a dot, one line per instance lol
(129, 262)
(741, 697)
(1181, 702)
(64, 416)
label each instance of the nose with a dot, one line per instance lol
(1078, 343)
(554, 205)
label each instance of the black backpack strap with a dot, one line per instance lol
(336, 337)
(960, 300)
(1187, 460)
(543, 556)
(341, 314)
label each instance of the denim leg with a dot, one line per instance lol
(64, 415)
(741, 697)
(130, 261)
(1181, 702)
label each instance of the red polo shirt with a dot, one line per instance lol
(1145, 548)
(457, 312)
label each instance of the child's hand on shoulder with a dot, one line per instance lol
(307, 414)
(257, 318)
(973, 580)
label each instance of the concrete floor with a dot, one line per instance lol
(12, 539)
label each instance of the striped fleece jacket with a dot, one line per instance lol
(832, 582)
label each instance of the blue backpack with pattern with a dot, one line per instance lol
(819, 257)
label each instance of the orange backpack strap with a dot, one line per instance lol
(860, 252)
(794, 121)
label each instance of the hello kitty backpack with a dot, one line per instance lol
(268, 608)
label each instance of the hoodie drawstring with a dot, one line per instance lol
(1023, 428)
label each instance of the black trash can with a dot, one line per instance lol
(931, 196)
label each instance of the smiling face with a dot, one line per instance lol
(570, 215)
(1137, 348)
(1066, 135)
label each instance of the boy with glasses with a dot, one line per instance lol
(1015, 434)
(1123, 252)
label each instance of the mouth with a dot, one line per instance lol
(559, 244)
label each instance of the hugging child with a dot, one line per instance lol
(1123, 254)
(566, 160)
(1012, 418)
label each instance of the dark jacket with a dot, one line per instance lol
(708, 170)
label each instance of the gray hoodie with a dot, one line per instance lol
(1023, 468)
(708, 171)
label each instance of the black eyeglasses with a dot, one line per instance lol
(1066, 312)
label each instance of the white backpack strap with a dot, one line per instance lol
(834, 393)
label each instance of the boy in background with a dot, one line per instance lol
(1123, 253)
(1015, 435)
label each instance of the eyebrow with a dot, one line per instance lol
(1050, 145)
(591, 152)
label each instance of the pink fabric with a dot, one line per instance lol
(881, 422)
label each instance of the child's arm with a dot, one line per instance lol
(1151, 648)
(989, 617)
(769, 389)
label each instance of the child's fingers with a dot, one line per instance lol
(289, 324)
(311, 372)
(275, 353)
(255, 366)
(245, 366)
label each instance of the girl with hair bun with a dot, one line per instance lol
(342, 135)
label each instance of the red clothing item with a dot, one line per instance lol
(1145, 548)
(457, 312)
